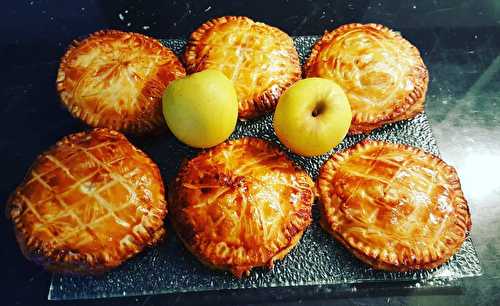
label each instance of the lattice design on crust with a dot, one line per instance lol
(260, 60)
(241, 204)
(92, 195)
(382, 74)
(394, 206)
(116, 79)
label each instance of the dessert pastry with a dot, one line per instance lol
(394, 207)
(89, 203)
(240, 205)
(382, 74)
(116, 79)
(261, 60)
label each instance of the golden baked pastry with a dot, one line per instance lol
(261, 60)
(382, 74)
(394, 207)
(89, 203)
(116, 79)
(240, 205)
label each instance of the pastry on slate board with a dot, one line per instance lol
(381, 73)
(116, 80)
(89, 203)
(395, 207)
(260, 59)
(240, 205)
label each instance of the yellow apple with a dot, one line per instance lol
(312, 116)
(201, 109)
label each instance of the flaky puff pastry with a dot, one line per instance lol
(382, 74)
(260, 59)
(89, 203)
(240, 205)
(394, 207)
(116, 80)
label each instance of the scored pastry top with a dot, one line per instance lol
(88, 203)
(395, 207)
(241, 205)
(382, 74)
(260, 59)
(116, 79)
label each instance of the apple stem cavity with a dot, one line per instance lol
(318, 109)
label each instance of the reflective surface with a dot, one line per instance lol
(459, 44)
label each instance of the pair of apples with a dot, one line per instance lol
(311, 117)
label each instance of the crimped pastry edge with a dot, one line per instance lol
(143, 124)
(263, 102)
(293, 235)
(64, 260)
(363, 123)
(387, 261)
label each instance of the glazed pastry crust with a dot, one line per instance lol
(89, 203)
(260, 59)
(383, 75)
(116, 80)
(394, 207)
(240, 205)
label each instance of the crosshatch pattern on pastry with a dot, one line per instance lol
(88, 203)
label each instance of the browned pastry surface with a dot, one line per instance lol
(116, 79)
(382, 74)
(393, 206)
(89, 203)
(241, 204)
(261, 60)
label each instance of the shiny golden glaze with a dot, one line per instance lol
(88, 204)
(382, 74)
(395, 207)
(261, 60)
(241, 205)
(116, 79)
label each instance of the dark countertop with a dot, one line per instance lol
(458, 41)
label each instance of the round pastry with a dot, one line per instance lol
(394, 207)
(240, 205)
(261, 60)
(116, 79)
(89, 203)
(382, 74)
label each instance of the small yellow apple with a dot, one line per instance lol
(312, 116)
(201, 109)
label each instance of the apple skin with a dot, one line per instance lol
(312, 116)
(201, 109)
